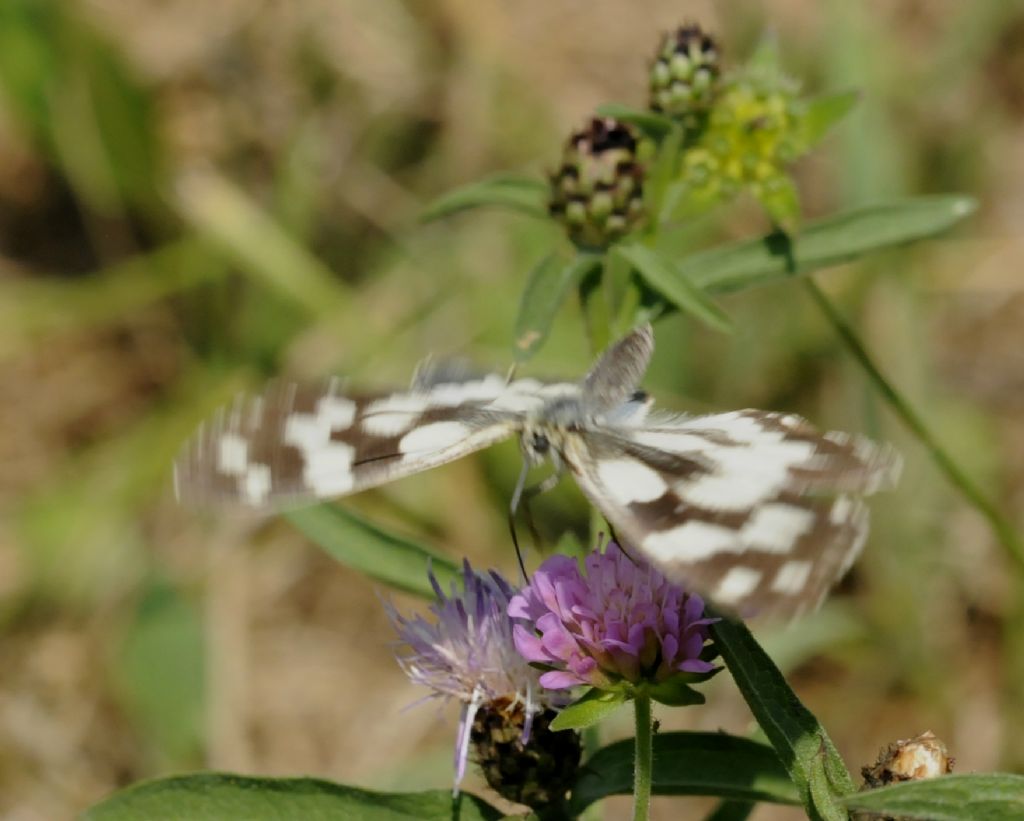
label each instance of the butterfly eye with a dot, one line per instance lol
(540, 443)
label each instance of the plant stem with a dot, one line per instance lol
(596, 311)
(1003, 529)
(642, 766)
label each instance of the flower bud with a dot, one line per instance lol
(683, 78)
(598, 190)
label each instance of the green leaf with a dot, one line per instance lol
(982, 797)
(830, 241)
(732, 811)
(528, 195)
(823, 112)
(159, 673)
(223, 797)
(802, 744)
(678, 289)
(677, 692)
(594, 706)
(387, 557)
(549, 283)
(689, 764)
(652, 124)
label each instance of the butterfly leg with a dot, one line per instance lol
(530, 493)
(521, 496)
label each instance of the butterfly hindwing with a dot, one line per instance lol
(750, 508)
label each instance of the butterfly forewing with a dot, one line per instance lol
(295, 444)
(752, 509)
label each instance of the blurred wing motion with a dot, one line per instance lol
(294, 444)
(756, 510)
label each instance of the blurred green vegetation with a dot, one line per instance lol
(191, 205)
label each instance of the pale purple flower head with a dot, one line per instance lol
(468, 653)
(622, 621)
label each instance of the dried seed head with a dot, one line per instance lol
(910, 759)
(537, 772)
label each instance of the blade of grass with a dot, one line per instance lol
(256, 243)
(1005, 532)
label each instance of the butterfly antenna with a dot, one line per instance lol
(515, 543)
(511, 373)
(517, 496)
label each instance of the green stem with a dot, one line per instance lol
(642, 767)
(596, 311)
(1004, 531)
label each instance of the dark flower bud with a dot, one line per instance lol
(598, 189)
(685, 72)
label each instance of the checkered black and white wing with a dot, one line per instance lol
(296, 444)
(756, 510)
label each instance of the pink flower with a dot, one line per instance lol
(622, 621)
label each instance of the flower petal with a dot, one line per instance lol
(559, 680)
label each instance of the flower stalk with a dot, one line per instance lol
(644, 758)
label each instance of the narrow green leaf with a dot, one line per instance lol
(677, 288)
(594, 706)
(219, 796)
(823, 112)
(387, 557)
(528, 195)
(549, 283)
(254, 241)
(650, 123)
(802, 744)
(973, 797)
(830, 241)
(689, 764)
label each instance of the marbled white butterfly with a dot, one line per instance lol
(754, 509)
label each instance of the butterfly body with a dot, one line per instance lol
(755, 509)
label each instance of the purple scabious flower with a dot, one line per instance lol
(620, 621)
(467, 653)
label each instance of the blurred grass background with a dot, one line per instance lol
(195, 196)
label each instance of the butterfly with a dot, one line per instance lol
(754, 509)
